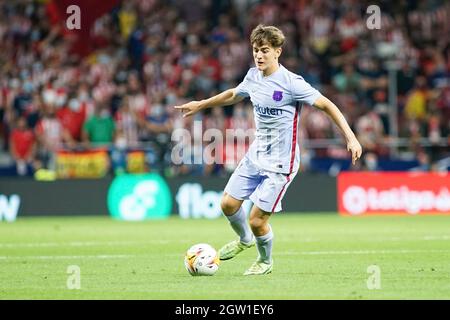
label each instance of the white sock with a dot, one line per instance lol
(264, 245)
(238, 222)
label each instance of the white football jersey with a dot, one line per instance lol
(277, 100)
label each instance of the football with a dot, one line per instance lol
(201, 260)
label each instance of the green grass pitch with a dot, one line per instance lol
(316, 256)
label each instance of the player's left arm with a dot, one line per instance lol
(353, 145)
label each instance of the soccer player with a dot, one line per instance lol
(272, 161)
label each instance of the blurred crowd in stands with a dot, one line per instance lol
(151, 55)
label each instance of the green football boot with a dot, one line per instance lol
(230, 250)
(259, 268)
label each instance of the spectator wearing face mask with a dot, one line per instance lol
(72, 116)
(369, 130)
(126, 121)
(158, 126)
(51, 136)
(416, 101)
(23, 98)
(99, 129)
(22, 146)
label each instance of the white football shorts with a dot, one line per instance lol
(264, 188)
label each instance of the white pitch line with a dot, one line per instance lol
(162, 242)
(79, 244)
(57, 244)
(286, 253)
(428, 238)
(104, 256)
(361, 252)
(384, 239)
(344, 252)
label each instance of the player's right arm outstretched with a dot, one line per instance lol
(225, 98)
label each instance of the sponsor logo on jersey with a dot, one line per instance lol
(268, 111)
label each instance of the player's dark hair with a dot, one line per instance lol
(267, 35)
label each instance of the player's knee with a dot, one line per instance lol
(256, 223)
(229, 206)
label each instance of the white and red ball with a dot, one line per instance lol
(201, 260)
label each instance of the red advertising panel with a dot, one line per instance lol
(365, 193)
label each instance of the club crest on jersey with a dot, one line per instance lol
(277, 95)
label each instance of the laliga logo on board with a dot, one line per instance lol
(357, 200)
